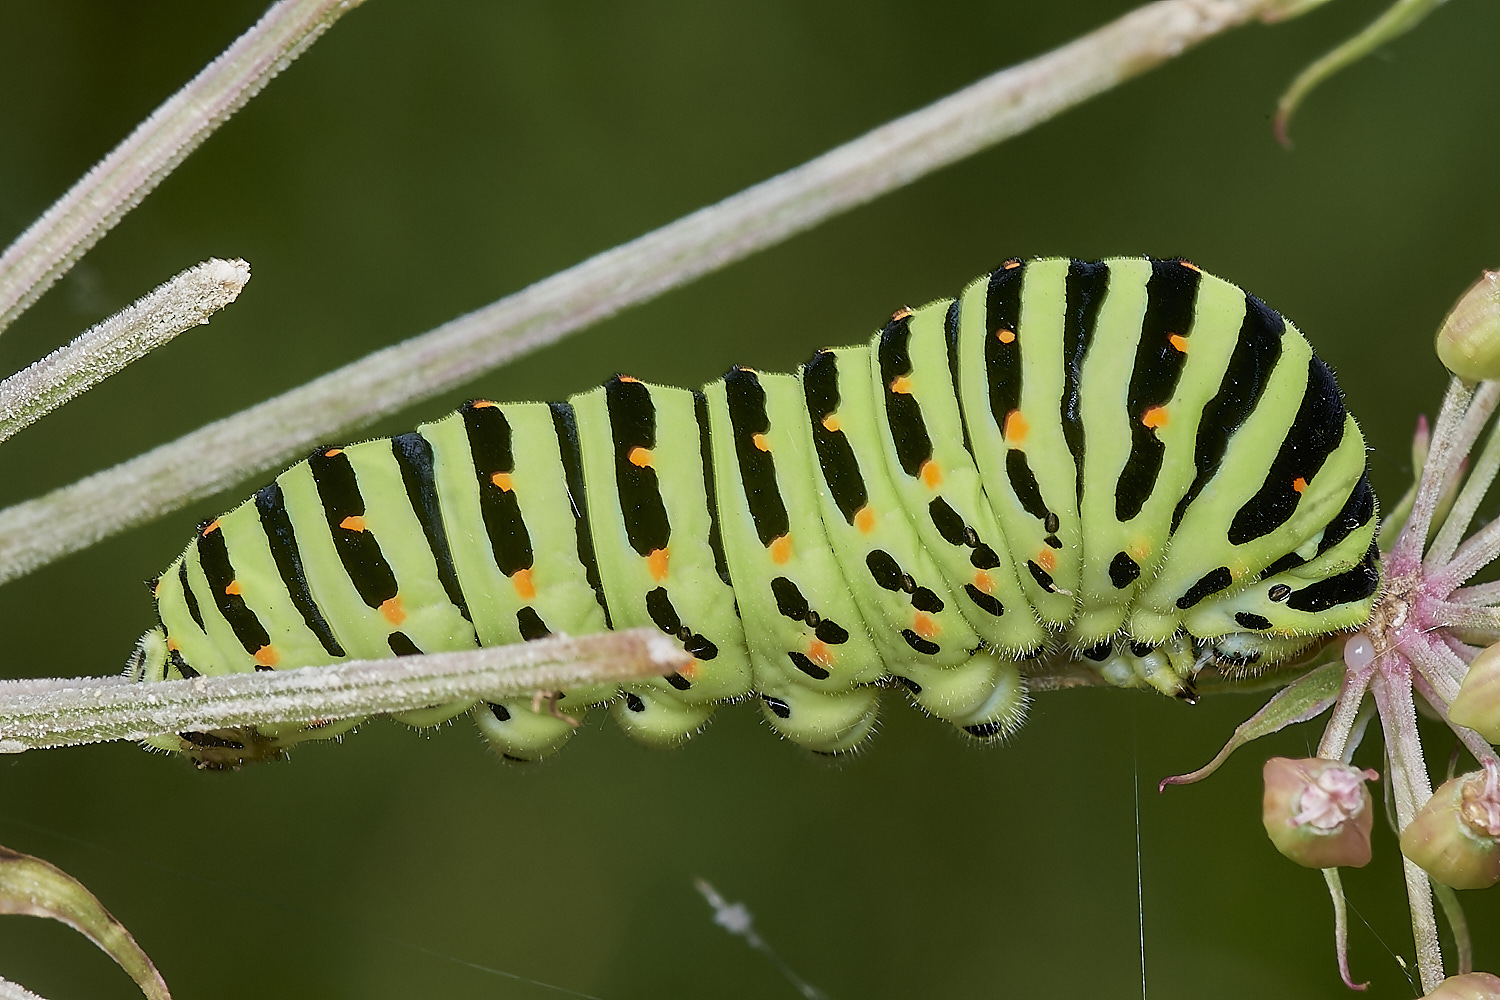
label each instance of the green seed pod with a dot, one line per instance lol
(1474, 986)
(1469, 342)
(1455, 836)
(1478, 703)
(1317, 812)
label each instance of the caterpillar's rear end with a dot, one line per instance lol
(1129, 463)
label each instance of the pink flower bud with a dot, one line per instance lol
(1318, 812)
(1455, 836)
(1473, 986)
(1469, 342)
(1478, 703)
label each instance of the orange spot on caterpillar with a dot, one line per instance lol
(1046, 559)
(1190, 266)
(521, 580)
(656, 563)
(354, 522)
(924, 626)
(267, 656)
(627, 378)
(1010, 264)
(640, 457)
(831, 423)
(1299, 484)
(333, 453)
(901, 384)
(983, 581)
(864, 519)
(172, 645)
(393, 611)
(690, 672)
(502, 480)
(1155, 417)
(484, 404)
(156, 588)
(1140, 548)
(1178, 341)
(759, 440)
(819, 652)
(901, 314)
(931, 474)
(234, 589)
(1015, 428)
(1006, 336)
(781, 549)
(211, 527)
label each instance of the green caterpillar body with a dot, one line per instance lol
(1129, 463)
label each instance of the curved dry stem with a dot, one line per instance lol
(178, 305)
(257, 439)
(62, 712)
(33, 887)
(53, 243)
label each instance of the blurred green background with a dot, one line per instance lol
(427, 157)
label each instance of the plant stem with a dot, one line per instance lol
(116, 184)
(183, 302)
(269, 434)
(95, 710)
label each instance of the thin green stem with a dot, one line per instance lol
(1399, 18)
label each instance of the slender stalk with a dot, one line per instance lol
(1480, 593)
(1340, 926)
(1345, 714)
(223, 453)
(91, 710)
(1445, 453)
(1410, 789)
(52, 244)
(183, 302)
(1475, 487)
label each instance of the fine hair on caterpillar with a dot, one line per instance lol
(1129, 463)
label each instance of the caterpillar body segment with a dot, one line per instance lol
(1127, 463)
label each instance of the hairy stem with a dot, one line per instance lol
(186, 301)
(77, 220)
(269, 434)
(94, 710)
(1410, 788)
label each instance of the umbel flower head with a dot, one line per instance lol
(1432, 640)
(1318, 812)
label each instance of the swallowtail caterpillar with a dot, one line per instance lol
(1130, 463)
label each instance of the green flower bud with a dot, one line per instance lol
(1318, 812)
(1469, 341)
(1455, 836)
(1474, 986)
(1478, 703)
